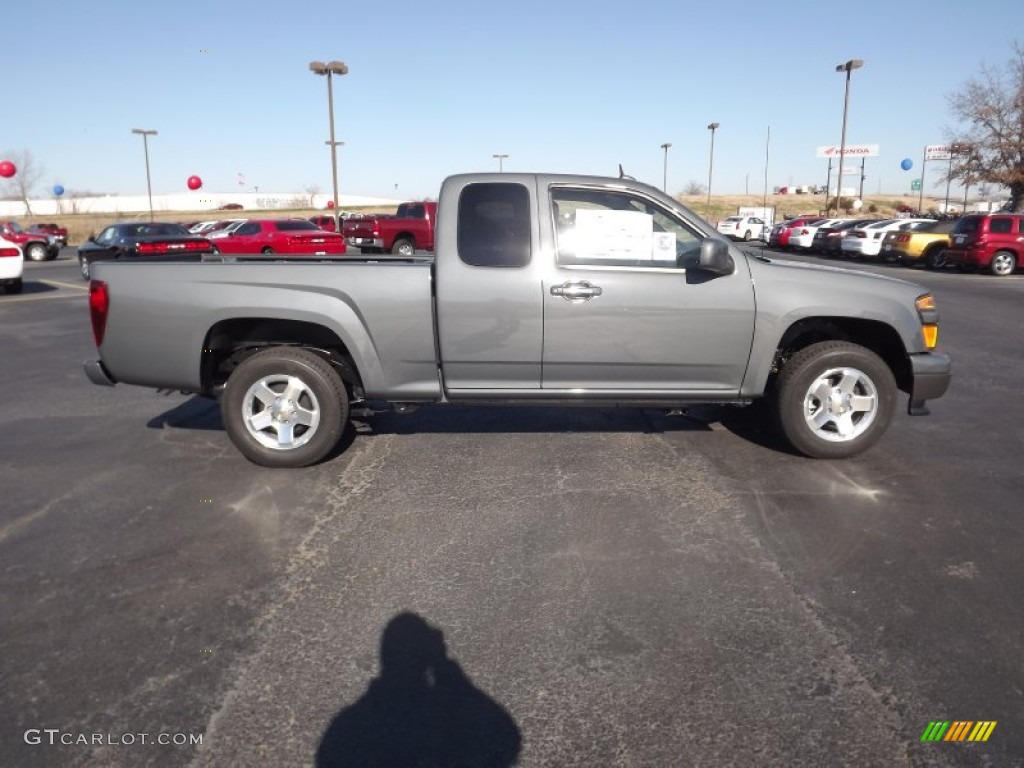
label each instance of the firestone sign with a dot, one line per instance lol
(851, 150)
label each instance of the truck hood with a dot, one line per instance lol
(840, 273)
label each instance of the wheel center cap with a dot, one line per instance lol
(282, 410)
(838, 403)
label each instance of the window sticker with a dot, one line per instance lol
(619, 235)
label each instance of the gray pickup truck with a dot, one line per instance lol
(544, 289)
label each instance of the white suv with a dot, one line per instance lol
(12, 265)
(742, 227)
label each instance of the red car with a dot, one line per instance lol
(325, 223)
(281, 236)
(994, 242)
(779, 237)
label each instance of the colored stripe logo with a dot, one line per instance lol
(958, 730)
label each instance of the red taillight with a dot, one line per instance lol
(99, 304)
(902, 238)
(804, 232)
(190, 246)
(9, 252)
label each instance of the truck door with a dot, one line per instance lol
(621, 313)
(489, 302)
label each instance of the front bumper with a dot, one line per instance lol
(98, 374)
(931, 373)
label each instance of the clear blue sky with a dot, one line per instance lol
(439, 87)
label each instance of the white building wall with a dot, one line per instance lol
(195, 201)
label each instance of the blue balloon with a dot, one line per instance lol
(907, 164)
(58, 190)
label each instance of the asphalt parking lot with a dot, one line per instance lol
(573, 587)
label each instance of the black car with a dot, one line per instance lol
(150, 240)
(828, 239)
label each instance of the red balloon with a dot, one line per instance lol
(7, 169)
(194, 182)
(330, 203)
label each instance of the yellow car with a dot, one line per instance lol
(923, 245)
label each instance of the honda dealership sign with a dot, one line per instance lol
(850, 150)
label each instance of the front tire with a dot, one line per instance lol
(268, 249)
(36, 252)
(1002, 264)
(284, 407)
(83, 267)
(834, 399)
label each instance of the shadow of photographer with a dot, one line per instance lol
(421, 710)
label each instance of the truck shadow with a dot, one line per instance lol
(422, 709)
(754, 424)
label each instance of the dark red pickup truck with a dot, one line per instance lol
(38, 246)
(409, 230)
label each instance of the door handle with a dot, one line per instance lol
(581, 291)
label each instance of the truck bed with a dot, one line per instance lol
(380, 307)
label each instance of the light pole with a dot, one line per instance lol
(711, 163)
(500, 159)
(145, 148)
(664, 176)
(848, 67)
(329, 69)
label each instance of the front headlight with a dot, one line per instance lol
(929, 314)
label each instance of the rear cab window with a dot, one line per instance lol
(494, 225)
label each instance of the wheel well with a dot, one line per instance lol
(880, 338)
(404, 236)
(230, 342)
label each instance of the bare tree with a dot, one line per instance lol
(990, 146)
(312, 190)
(20, 186)
(694, 188)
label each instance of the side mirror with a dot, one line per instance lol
(714, 257)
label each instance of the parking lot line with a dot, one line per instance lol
(65, 285)
(20, 299)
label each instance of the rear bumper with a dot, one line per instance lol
(365, 242)
(931, 372)
(98, 374)
(966, 257)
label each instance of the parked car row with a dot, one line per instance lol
(992, 242)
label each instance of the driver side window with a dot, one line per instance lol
(607, 228)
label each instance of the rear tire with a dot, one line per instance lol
(284, 407)
(83, 267)
(834, 399)
(403, 246)
(935, 258)
(268, 249)
(746, 236)
(15, 286)
(1003, 264)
